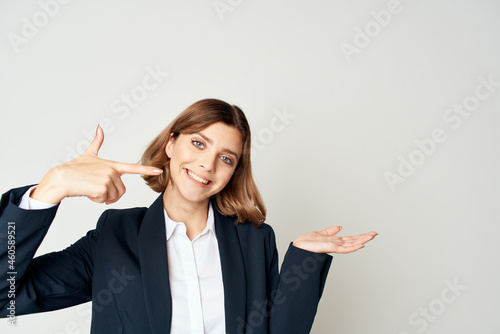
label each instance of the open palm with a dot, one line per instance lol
(326, 241)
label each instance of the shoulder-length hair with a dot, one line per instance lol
(240, 197)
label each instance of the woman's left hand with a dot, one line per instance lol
(327, 242)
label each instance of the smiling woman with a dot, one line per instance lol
(200, 259)
(217, 135)
(198, 172)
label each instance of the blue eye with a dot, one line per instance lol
(195, 143)
(228, 160)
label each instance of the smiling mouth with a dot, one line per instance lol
(197, 178)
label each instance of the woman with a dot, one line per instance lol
(200, 259)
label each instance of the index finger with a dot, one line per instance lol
(127, 168)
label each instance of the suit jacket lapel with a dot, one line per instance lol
(154, 268)
(233, 271)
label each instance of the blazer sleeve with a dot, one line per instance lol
(296, 291)
(49, 282)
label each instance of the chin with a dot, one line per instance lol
(196, 198)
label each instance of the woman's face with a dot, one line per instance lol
(202, 163)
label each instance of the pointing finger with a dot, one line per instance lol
(125, 168)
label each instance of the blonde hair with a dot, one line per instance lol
(240, 197)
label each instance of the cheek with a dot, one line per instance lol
(227, 176)
(182, 156)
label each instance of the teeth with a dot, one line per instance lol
(197, 178)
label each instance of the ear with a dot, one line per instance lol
(168, 147)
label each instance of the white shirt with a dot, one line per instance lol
(195, 274)
(195, 279)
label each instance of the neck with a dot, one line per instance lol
(193, 214)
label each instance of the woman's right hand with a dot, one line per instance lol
(89, 176)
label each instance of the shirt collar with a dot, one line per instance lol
(172, 225)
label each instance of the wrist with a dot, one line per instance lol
(298, 244)
(47, 190)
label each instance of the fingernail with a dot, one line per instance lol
(157, 171)
(97, 129)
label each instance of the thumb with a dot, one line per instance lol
(95, 145)
(331, 230)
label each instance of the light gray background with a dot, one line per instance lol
(349, 123)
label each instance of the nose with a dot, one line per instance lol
(207, 162)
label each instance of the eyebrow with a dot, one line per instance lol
(210, 141)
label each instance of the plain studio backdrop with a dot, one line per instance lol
(373, 115)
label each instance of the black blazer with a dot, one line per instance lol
(122, 267)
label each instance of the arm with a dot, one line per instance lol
(37, 285)
(51, 281)
(296, 291)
